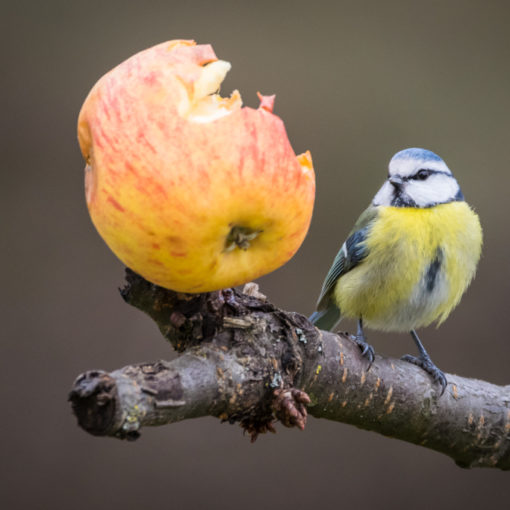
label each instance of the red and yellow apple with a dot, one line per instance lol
(191, 190)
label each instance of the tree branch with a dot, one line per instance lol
(245, 361)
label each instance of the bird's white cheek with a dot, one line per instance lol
(433, 191)
(385, 195)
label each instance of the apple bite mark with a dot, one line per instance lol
(305, 160)
(266, 102)
(204, 104)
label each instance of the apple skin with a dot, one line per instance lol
(168, 186)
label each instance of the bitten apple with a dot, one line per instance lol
(191, 190)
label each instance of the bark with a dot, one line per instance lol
(243, 360)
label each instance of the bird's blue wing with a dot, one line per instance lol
(352, 252)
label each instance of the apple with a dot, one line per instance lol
(189, 189)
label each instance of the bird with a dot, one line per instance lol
(409, 258)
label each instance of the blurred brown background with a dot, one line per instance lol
(355, 82)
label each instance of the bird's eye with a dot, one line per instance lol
(422, 174)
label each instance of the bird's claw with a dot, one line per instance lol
(429, 367)
(367, 351)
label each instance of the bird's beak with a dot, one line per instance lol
(396, 180)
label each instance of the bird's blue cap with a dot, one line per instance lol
(415, 153)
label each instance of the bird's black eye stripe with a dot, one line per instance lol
(422, 174)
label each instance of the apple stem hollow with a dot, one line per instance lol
(240, 237)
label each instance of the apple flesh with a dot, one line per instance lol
(189, 189)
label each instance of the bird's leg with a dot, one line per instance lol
(424, 361)
(366, 349)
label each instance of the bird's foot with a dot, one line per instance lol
(367, 351)
(426, 364)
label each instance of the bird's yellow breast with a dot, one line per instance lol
(395, 288)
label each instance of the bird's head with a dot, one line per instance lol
(418, 178)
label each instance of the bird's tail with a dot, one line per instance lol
(326, 319)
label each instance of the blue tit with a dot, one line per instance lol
(408, 259)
